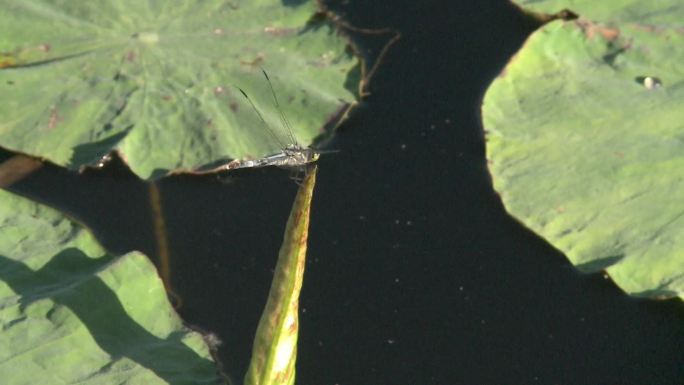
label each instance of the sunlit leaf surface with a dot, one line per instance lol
(156, 80)
(73, 314)
(585, 139)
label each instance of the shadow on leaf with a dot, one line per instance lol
(70, 279)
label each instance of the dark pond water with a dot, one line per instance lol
(416, 274)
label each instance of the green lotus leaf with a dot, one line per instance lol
(156, 80)
(585, 140)
(71, 313)
(664, 12)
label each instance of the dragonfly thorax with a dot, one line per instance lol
(298, 156)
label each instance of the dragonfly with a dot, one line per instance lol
(292, 156)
